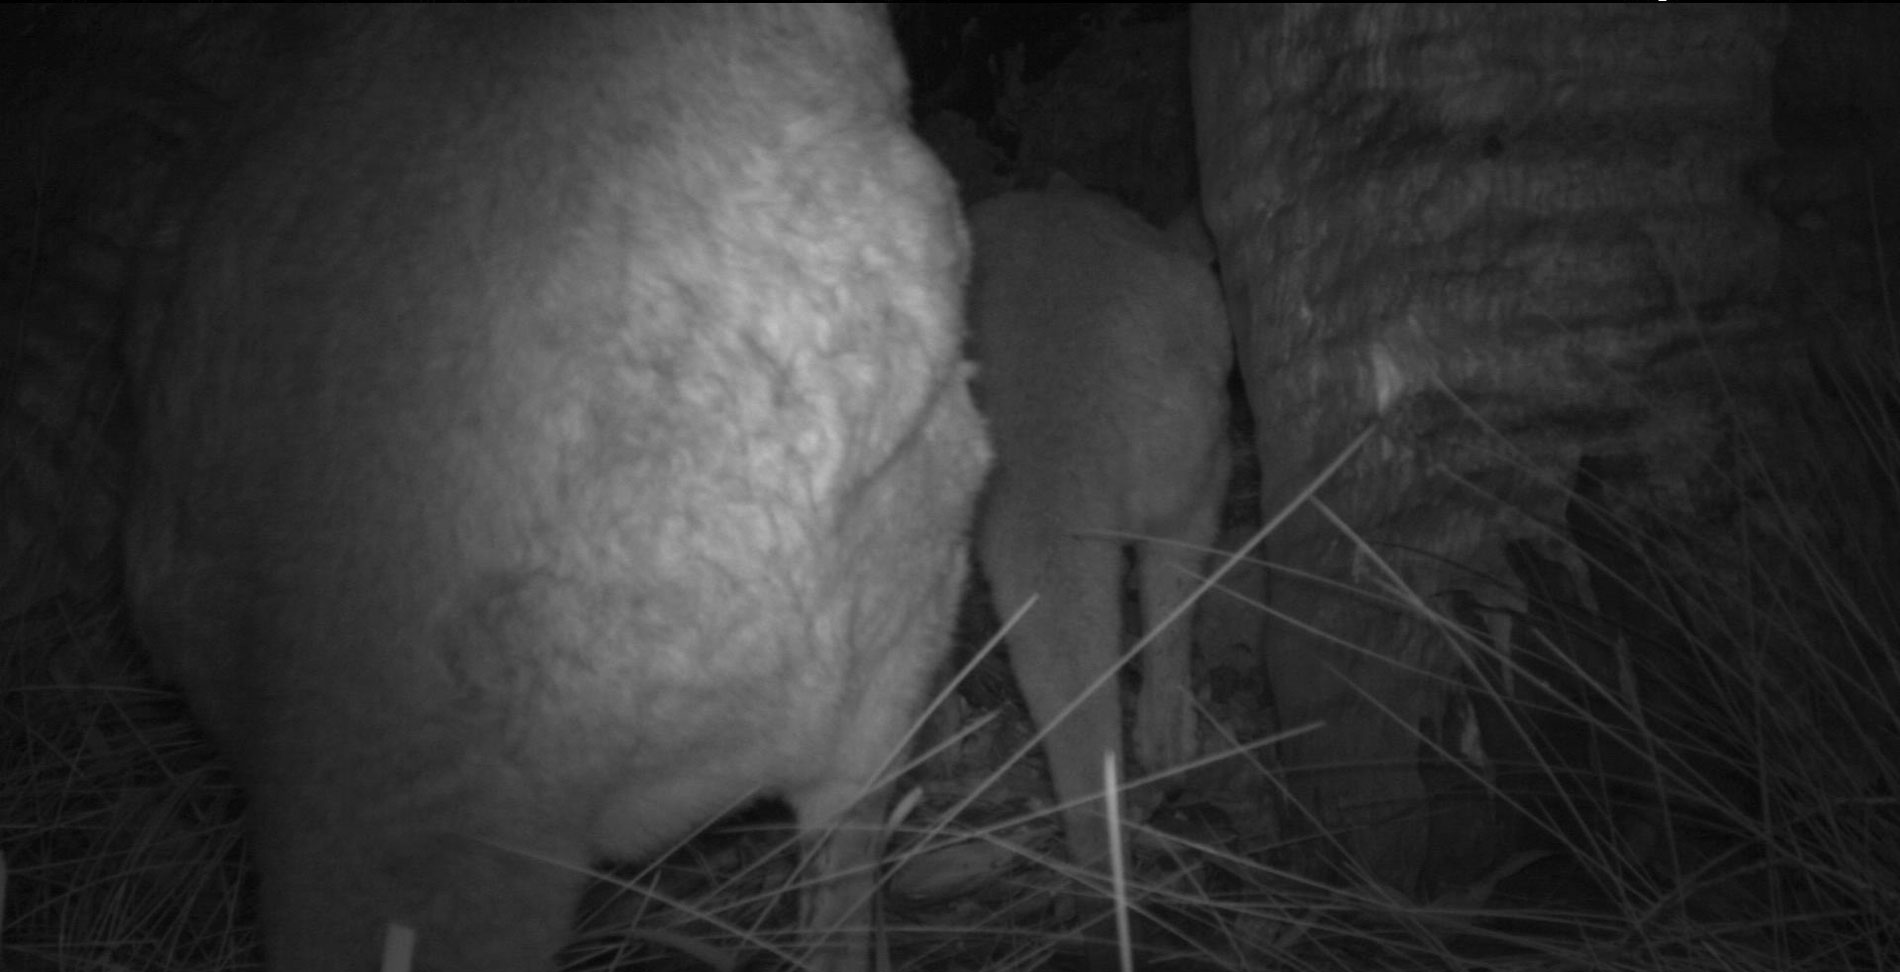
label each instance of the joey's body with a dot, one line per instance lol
(1104, 353)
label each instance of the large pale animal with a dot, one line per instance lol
(1104, 351)
(556, 433)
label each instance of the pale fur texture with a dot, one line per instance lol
(555, 433)
(1104, 354)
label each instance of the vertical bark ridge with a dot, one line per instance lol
(1468, 220)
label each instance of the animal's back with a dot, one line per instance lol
(1104, 354)
(556, 435)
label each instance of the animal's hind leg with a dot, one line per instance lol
(1166, 730)
(842, 829)
(840, 819)
(1070, 639)
(1060, 646)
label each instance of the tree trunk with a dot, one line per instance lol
(1521, 238)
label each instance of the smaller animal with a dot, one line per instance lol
(1104, 352)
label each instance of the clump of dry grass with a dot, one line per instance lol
(1719, 790)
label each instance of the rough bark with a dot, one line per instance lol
(1521, 238)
